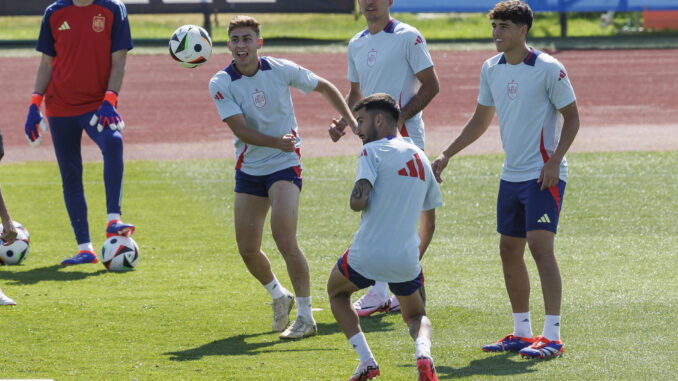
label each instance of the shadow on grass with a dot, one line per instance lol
(505, 364)
(240, 345)
(257, 343)
(48, 273)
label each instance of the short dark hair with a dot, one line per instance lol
(379, 102)
(513, 10)
(243, 21)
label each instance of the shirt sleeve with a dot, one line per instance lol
(223, 99)
(352, 74)
(417, 52)
(560, 89)
(485, 93)
(300, 78)
(46, 40)
(121, 37)
(367, 166)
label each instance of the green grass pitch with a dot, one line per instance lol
(191, 311)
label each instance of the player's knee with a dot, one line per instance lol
(249, 253)
(287, 244)
(112, 144)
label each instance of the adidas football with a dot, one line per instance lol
(190, 46)
(17, 251)
(119, 253)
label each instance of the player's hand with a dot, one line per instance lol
(9, 233)
(337, 129)
(550, 173)
(439, 166)
(288, 143)
(107, 115)
(33, 120)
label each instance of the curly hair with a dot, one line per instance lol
(513, 10)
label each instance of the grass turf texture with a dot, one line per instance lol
(341, 27)
(192, 311)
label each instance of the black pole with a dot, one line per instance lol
(563, 24)
(207, 23)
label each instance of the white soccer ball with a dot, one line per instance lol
(190, 46)
(119, 253)
(17, 251)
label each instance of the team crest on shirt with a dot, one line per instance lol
(98, 23)
(512, 89)
(371, 57)
(259, 98)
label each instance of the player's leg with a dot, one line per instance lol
(511, 226)
(543, 211)
(66, 135)
(110, 143)
(414, 314)
(249, 216)
(284, 196)
(343, 282)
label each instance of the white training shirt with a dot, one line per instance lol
(527, 98)
(265, 101)
(386, 62)
(386, 246)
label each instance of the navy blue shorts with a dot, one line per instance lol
(398, 289)
(259, 185)
(523, 207)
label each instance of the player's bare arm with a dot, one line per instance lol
(474, 128)
(44, 74)
(361, 192)
(550, 173)
(118, 60)
(427, 226)
(430, 87)
(239, 127)
(334, 98)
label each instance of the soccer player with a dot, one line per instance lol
(394, 187)
(530, 90)
(84, 46)
(9, 233)
(391, 57)
(252, 96)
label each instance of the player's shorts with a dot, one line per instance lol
(523, 207)
(398, 289)
(259, 185)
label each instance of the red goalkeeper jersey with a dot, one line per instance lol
(81, 40)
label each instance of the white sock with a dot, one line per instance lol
(552, 327)
(113, 216)
(304, 307)
(360, 346)
(522, 325)
(423, 345)
(86, 246)
(381, 289)
(275, 289)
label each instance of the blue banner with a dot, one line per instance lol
(418, 6)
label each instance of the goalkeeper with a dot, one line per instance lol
(84, 48)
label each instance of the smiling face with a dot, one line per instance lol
(507, 35)
(375, 10)
(243, 43)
